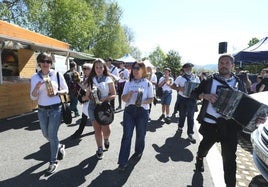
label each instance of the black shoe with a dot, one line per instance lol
(61, 152)
(167, 120)
(106, 144)
(199, 165)
(161, 117)
(76, 135)
(192, 140)
(122, 167)
(99, 153)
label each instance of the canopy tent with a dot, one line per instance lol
(127, 58)
(256, 54)
(148, 63)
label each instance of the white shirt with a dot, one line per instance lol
(134, 86)
(125, 74)
(180, 81)
(43, 98)
(103, 86)
(165, 87)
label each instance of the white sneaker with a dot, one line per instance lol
(61, 152)
(52, 167)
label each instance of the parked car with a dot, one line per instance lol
(259, 139)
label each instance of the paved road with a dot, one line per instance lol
(168, 159)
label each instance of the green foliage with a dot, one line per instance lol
(253, 41)
(157, 57)
(173, 61)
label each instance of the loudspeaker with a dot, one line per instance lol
(222, 47)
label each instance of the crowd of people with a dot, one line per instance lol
(138, 87)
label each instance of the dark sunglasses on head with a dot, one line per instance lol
(46, 61)
(136, 68)
(86, 68)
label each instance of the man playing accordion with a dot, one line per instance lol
(214, 127)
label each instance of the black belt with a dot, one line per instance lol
(49, 106)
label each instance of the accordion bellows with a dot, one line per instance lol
(242, 108)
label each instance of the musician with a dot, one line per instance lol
(187, 106)
(137, 94)
(213, 127)
(166, 82)
(49, 106)
(151, 77)
(100, 77)
(86, 71)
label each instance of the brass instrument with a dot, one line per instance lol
(47, 81)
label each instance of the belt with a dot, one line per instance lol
(49, 106)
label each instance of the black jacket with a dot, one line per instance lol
(205, 87)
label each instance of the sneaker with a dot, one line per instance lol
(106, 144)
(122, 167)
(167, 120)
(199, 165)
(99, 153)
(190, 137)
(61, 152)
(52, 167)
(161, 117)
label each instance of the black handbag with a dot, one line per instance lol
(66, 111)
(104, 113)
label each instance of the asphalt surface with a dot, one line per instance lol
(168, 159)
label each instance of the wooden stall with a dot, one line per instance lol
(18, 49)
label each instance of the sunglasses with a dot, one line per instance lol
(46, 61)
(136, 68)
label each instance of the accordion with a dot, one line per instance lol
(189, 87)
(242, 108)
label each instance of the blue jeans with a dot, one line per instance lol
(50, 120)
(187, 108)
(133, 117)
(73, 103)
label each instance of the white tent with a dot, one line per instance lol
(148, 63)
(127, 58)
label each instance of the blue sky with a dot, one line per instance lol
(194, 28)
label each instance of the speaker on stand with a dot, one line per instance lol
(222, 47)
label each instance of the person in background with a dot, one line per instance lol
(214, 127)
(187, 106)
(123, 77)
(72, 78)
(243, 75)
(253, 88)
(100, 78)
(166, 82)
(263, 86)
(175, 86)
(86, 71)
(44, 89)
(138, 94)
(151, 77)
(115, 75)
(158, 74)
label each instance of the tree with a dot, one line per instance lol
(253, 41)
(111, 40)
(157, 57)
(173, 61)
